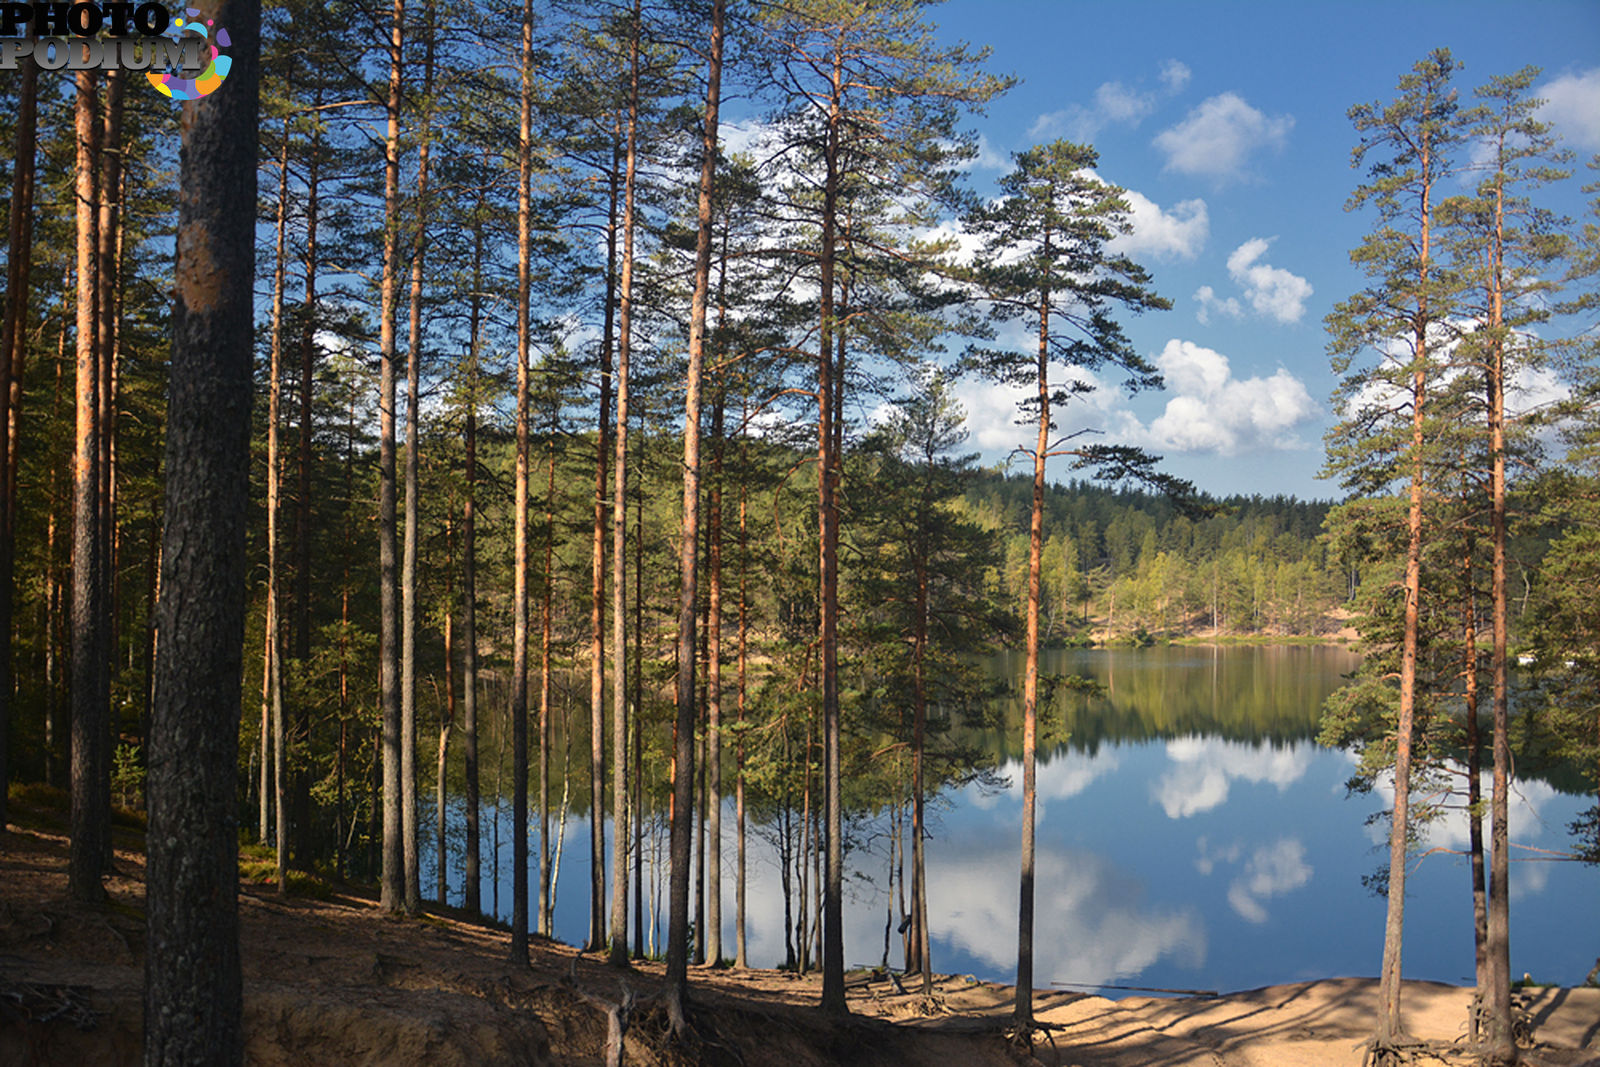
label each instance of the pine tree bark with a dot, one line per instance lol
(618, 954)
(1500, 1039)
(408, 572)
(1391, 1028)
(1023, 1013)
(107, 300)
(193, 1000)
(19, 257)
(471, 876)
(90, 701)
(832, 917)
(273, 679)
(392, 898)
(519, 596)
(683, 760)
(713, 845)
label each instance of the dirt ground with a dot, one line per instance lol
(332, 981)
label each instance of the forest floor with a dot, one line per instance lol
(333, 981)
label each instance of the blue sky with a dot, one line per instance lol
(1227, 124)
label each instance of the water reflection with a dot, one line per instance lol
(1191, 833)
(1203, 767)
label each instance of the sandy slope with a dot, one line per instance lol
(334, 982)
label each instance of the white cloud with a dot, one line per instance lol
(1114, 104)
(988, 158)
(1176, 234)
(1209, 302)
(1572, 104)
(1090, 913)
(1203, 768)
(1215, 412)
(1174, 75)
(1271, 871)
(1118, 103)
(1271, 290)
(1217, 139)
(992, 408)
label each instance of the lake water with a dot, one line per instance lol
(1191, 834)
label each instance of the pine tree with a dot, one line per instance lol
(1045, 245)
(1386, 432)
(193, 1001)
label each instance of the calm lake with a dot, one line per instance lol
(1191, 834)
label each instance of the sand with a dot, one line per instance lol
(333, 981)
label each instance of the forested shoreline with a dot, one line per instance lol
(571, 399)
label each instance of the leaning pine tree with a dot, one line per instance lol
(1400, 321)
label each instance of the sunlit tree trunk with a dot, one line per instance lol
(393, 878)
(1023, 1014)
(519, 596)
(619, 525)
(273, 679)
(90, 702)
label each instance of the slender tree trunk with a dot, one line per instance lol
(741, 960)
(619, 525)
(193, 990)
(109, 160)
(447, 719)
(274, 677)
(90, 703)
(300, 781)
(1501, 1040)
(832, 917)
(13, 347)
(546, 864)
(473, 888)
(638, 732)
(1390, 1026)
(308, 351)
(408, 573)
(519, 597)
(597, 647)
(393, 886)
(1023, 1015)
(1480, 912)
(919, 701)
(683, 762)
(713, 931)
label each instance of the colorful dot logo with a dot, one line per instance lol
(209, 80)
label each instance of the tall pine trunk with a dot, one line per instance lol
(519, 596)
(1023, 1013)
(13, 333)
(1390, 1026)
(1500, 1039)
(832, 916)
(688, 576)
(90, 702)
(471, 879)
(193, 989)
(393, 879)
(408, 572)
(273, 676)
(619, 515)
